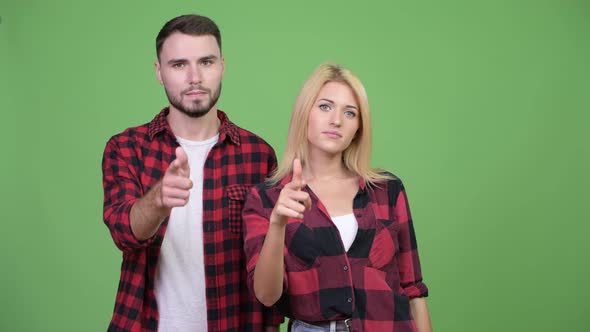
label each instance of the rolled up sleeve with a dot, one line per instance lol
(409, 261)
(121, 189)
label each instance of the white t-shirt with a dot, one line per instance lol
(180, 274)
(347, 226)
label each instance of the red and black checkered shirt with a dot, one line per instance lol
(133, 162)
(371, 283)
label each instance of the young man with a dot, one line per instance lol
(174, 189)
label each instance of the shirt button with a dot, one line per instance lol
(349, 299)
(345, 268)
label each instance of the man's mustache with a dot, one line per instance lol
(196, 88)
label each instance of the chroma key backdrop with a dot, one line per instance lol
(481, 107)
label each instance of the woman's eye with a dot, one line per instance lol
(350, 114)
(324, 107)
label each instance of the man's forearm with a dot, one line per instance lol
(147, 215)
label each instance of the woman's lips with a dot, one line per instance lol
(332, 134)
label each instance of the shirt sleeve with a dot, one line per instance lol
(272, 162)
(409, 261)
(255, 228)
(121, 189)
(256, 216)
(272, 317)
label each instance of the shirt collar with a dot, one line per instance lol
(227, 129)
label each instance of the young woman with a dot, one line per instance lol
(329, 240)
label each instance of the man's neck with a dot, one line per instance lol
(194, 129)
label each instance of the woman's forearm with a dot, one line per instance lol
(419, 311)
(268, 274)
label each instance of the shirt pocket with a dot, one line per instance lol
(236, 195)
(303, 245)
(385, 244)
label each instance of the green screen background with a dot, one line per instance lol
(481, 107)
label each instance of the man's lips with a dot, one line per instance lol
(195, 93)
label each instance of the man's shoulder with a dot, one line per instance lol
(136, 132)
(248, 137)
(130, 136)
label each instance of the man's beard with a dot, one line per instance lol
(197, 108)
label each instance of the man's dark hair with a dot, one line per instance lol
(195, 25)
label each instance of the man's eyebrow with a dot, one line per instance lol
(174, 61)
(204, 58)
(209, 57)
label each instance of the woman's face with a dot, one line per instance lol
(333, 120)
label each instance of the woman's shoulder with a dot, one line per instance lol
(388, 178)
(388, 182)
(267, 188)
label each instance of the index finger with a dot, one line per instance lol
(297, 179)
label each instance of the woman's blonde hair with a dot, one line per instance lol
(357, 156)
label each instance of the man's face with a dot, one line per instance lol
(191, 69)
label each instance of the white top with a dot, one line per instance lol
(347, 226)
(180, 274)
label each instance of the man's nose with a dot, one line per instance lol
(194, 75)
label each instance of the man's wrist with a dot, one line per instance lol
(154, 199)
(155, 196)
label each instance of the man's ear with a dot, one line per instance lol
(158, 73)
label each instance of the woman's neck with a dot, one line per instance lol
(323, 167)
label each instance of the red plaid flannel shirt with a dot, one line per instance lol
(371, 283)
(133, 162)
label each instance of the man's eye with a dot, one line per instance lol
(178, 65)
(207, 63)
